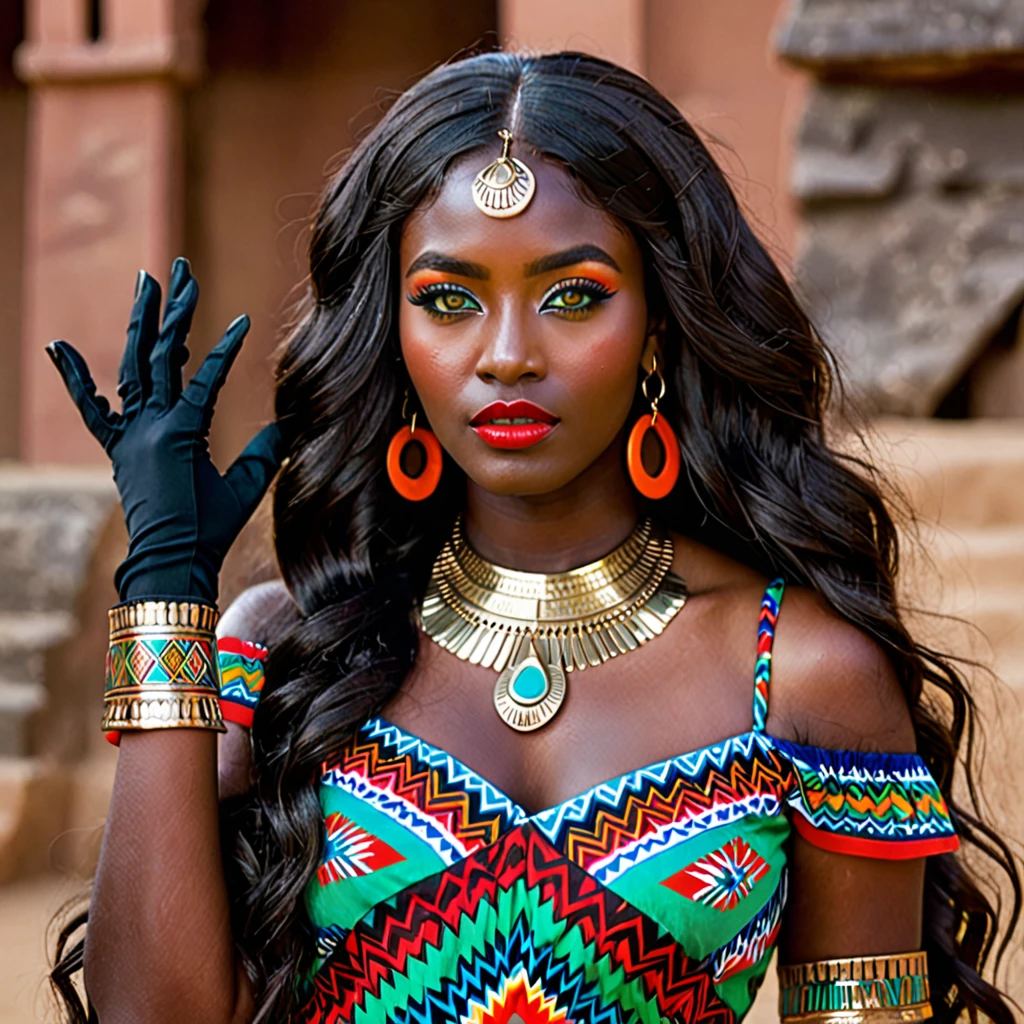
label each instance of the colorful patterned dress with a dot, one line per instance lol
(652, 897)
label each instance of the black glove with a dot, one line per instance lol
(182, 515)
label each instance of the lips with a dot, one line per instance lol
(511, 425)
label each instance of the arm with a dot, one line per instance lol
(260, 615)
(159, 945)
(833, 687)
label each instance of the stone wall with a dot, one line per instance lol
(909, 166)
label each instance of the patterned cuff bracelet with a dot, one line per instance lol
(162, 667)
(241, 678)
(878, 989)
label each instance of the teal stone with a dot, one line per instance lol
(529, 683)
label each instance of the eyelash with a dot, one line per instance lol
(431, 292)
(587, 287)
(592, 290)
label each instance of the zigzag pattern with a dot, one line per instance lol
(765, 638)
(241, 666)
(872, 796)
(693, 792)
(612, 867)
(391, 938)
(483, 976)
(523, 919)
(468, 806)
(447, 845)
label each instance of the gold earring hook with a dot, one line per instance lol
(405, 404)
(661, 391)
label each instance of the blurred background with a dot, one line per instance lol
(877, 147)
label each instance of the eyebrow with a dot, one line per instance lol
(567, 257)
(431, 260)
(448, 265)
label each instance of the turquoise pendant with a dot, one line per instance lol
(528, 694)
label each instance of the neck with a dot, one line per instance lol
(554, 532)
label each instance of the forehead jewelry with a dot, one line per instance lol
(506, 186)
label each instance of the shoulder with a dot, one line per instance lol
(260, 614)
(832, 685)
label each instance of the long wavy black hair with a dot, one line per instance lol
(748, 384)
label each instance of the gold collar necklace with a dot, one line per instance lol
(532, 628)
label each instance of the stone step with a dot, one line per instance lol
(18, 702)
(966, 473)
(33, 799)
(985, 624)
(48, 520)
(971, 558)
(25, 638)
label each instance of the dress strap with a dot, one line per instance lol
(765, 638)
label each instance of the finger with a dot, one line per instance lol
(204, 387)
(250, 474)
(169, 354)
(95, 409)
(133, 377)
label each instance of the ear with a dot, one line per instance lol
(652, 348)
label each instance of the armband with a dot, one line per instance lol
(872, 989)
(241, 678)
(161, 668)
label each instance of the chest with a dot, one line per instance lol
(678, 692)
(689, 850)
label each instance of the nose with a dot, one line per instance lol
(511, 353)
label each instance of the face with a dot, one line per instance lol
(522, 337)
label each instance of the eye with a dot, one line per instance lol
(575, 297)
(445, 301)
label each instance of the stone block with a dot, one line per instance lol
(24, 640)
(913, 255)
(905, 38)
(33, 806)
(48, 522)
(18, 703)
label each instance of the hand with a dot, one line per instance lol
(182, 515)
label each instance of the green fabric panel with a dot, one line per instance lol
(347, 900)
(493, 921)
(739, 991)
(698, 928)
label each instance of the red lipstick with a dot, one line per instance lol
(511, 425)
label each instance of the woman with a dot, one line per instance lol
(554, 450)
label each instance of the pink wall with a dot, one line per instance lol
(285, 87)
(719, 69)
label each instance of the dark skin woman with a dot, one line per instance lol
(631, 255)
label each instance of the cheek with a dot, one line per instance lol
(601, 372)
(434, 367)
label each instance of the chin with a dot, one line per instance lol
(512, 481)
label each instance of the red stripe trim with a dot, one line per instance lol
(237, 713)
(880, 849)
(232, 645)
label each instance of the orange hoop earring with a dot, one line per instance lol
(423, 485)
(661, 484)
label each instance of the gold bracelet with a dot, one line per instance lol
(874, 989)
(162, 667)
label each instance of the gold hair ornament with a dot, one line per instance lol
(505, 187)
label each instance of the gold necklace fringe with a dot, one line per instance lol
(519, 622)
